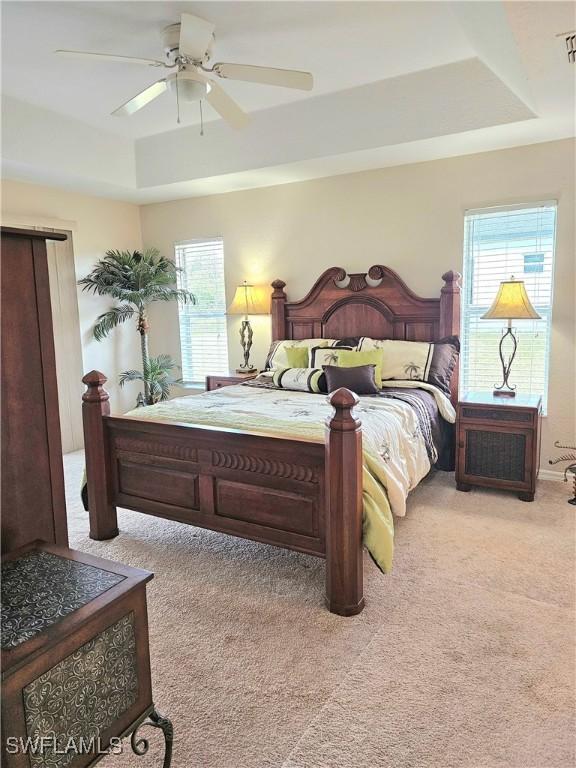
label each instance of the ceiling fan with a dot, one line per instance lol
(188, 48)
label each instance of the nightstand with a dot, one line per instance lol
(498, 442)
(228, 380)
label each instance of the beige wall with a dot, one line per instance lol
(408, 217)
(97, 225)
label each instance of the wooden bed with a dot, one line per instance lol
(292, 493)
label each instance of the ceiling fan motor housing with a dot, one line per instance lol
(171, 44)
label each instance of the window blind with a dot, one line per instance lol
(203, 332)
(498, 243)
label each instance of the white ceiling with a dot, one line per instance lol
(387, 75)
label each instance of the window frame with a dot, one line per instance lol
(184, 311)
(468, 309)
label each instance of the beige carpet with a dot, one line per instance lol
(464, 656)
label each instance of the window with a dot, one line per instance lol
(499, 243)
(203, 333)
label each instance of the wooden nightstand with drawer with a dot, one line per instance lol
(228, 380)
(498, 442)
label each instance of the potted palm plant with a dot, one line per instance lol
(136, 280)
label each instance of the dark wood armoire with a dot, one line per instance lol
(33, 504)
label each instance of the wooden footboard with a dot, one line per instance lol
(295, 494)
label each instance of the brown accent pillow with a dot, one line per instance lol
(359, 379)
(444, 360)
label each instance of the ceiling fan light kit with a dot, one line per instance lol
(188, 49)
(188, 87)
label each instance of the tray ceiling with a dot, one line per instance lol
(389, 76)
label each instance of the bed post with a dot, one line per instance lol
(95, 405)
(344, 577)
(278, 311)
(450, 304)
(450, 317)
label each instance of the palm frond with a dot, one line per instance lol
(127, 295)
(159, 390)
(169, 293)
(127, 376)
(135, 277)
(157, 374)
(162, 363)
(109, 320)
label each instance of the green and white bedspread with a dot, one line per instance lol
(395, 457)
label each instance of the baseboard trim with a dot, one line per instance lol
(550, 474)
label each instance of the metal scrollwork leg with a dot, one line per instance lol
(140, 744)
(246, 335)
(506, 388)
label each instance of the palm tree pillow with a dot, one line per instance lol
(416, 360)
(280, 352)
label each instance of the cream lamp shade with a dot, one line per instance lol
(511, 303)
(250, 300)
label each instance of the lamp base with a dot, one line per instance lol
(503, 393)
(246, 334)
(505, 390)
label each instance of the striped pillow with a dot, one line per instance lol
(300, 379)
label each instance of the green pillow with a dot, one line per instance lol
(350, 359)
(297, 357)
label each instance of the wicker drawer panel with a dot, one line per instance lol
(475, 413)
(499, 455)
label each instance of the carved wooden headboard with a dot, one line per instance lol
(378, 304)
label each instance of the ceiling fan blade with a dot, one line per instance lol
(110, 57)
(141, 99)
(195, 36)
(288, 78)
(226, 106)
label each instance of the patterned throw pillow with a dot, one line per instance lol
(277, 353)
(321, 356)
(417, 360)
(300, 379)
(345, 357)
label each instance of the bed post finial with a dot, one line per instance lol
(278, 310)
(96, 405)
(344, 573)
(95, 392)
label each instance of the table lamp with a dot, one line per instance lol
(511, 303)
(249, 300)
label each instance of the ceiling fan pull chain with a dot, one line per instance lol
(201, 119)
(177, 100)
